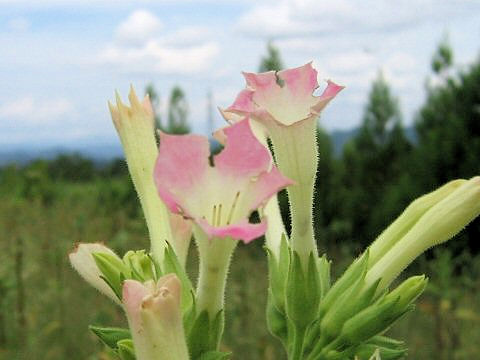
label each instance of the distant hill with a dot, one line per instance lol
(101, 153)
(341, 137)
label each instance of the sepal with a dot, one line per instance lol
(171, 264)
(349, 277)
(388, 349)
(302, 291)
(110, 336)
(126, 350)
(278, 273)
(205, 334)
(113, 271)
(324, 266)
(276, 320)
(140, 266)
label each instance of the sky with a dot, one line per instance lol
(62, 60)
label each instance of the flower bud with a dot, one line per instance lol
(437, 225)
(135, 127)
(155, 318)
(140, 265)
(84, 263)
(408, 218)
(407, 292)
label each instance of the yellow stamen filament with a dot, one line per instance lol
(219, 215)
(214, 216)
(232, 209)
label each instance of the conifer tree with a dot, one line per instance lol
(373, 161)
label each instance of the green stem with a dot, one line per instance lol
(215, 257)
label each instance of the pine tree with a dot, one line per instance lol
(272, 61)
(178, 112)
(448, 129)
(372, 163)
(155, 100)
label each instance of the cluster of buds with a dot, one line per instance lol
(185, 192)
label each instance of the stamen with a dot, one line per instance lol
(232, 209)
(219, 215)
(214, 216)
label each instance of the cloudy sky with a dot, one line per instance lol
(61, 60)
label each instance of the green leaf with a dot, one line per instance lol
(110, 335)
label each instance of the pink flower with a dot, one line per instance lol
(218, 198)
(284, 108)
(286, 104)
(155, 318)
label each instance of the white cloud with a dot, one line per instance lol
(33, 112)
(141, 25)
(141, 47)
(103, 3)
(187, 36)
(18, 24)
(154, 57)
(350, 61)
(333, 18)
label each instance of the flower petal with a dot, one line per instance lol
(181, 162)
(267, 185)
(243, 155)
(244, 101)
(285, 97)
(133, 294)
(328, 94)
(301, 82)
(241, 230)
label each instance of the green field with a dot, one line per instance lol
(46, 307)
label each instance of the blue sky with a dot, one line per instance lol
(62, 60)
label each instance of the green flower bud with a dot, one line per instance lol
(407, 292)
(370, 321)
(408, 218)
(135, 127)
(140, 265)
(438, 224)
